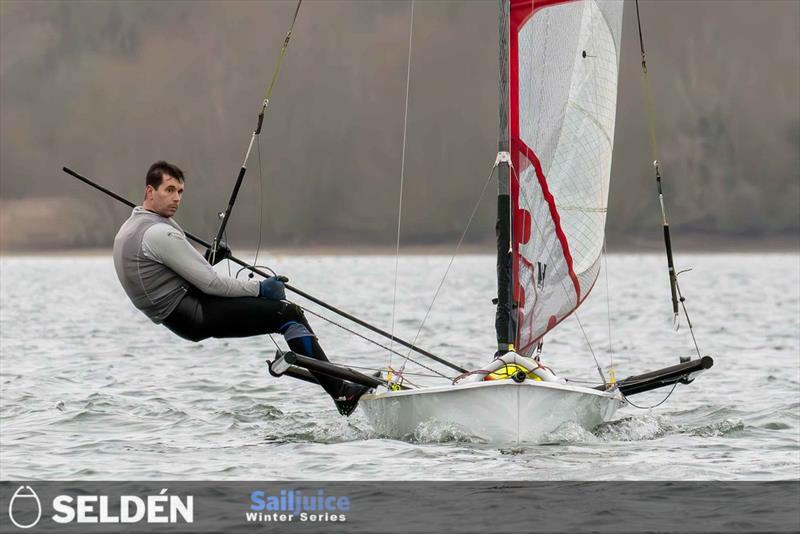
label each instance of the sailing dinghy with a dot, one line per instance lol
(559, 64)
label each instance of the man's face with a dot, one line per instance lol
(166, 199)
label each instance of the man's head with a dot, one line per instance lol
(163, 188)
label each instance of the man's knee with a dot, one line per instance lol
(293, 312)
(294, 325)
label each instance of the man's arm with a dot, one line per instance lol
(167, 245)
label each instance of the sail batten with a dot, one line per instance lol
(564, 64)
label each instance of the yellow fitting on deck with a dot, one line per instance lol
(507, 371)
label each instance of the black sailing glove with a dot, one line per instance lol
(273, 288)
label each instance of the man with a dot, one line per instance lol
(171, 283)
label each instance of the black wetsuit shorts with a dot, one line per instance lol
(199, 316)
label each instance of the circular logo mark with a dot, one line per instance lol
(23, 501)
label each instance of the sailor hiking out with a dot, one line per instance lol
(170, 282)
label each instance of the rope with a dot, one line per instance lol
(255, 267)
(402, 180)
(260, 204)
(654, 150)
(647, 95)
(611, 372)
(662, 401)
(267, 98)
(450, 264)
(357, 334)
(225, 216)
(351, 331)
(272, 338)
(368, 368)
(591, 349)
(283, 52)
(688, 321)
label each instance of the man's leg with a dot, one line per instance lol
(301, 339)
(200, 316)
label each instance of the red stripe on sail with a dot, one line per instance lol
(521, 12)
(530, 155)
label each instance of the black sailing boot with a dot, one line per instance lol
(345, 394)
(348, 399)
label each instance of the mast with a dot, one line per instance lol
(505, 322)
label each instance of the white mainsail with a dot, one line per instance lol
(564, 62)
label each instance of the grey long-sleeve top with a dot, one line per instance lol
(156, 264)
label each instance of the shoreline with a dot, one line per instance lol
(692, 245)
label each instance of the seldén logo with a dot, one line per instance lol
(126, 509)
(21, 504)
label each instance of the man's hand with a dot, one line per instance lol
(273, 288)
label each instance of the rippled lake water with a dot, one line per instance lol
(89, 388)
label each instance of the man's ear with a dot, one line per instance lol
(148, 190)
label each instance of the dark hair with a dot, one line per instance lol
(156, 172)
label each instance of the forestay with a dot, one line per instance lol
(564, 62)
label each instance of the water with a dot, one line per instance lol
(90, 389)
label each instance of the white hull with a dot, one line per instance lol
(501, 411)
